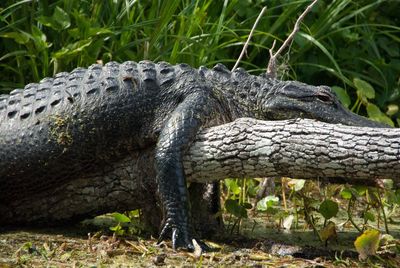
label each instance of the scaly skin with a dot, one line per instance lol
(79, 123)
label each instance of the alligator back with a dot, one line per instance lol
(70, 125)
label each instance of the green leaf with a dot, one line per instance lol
(100, 31)
(58, 21)
(232, 186)
(233, 207)
(346, 193)
(120, 217)
(134, 213)
(349, 35)
(387, 184)
(251, 187)
(392, 109)
(369, 216)
(395, 95)
(360, 189)
(296, 184)
(267, 202)
(328, 208)
(46, 21)
(373, 111)
(364, 89)
(62, 18)
(13, 54)
(367, 244)
(342, 95)
(27, 245)
(117, 230)
(39, 37)
(19, 37)
(396, 198)
(72, 50)
(328, 232)
(377, 115)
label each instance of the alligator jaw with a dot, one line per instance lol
(292, 99)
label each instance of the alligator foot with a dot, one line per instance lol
(181, 238)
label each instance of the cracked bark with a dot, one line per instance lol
(244, 148)
(300, 148)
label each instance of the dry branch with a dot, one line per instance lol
(271, 69)
(248, 38)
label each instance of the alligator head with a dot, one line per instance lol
(292, 99)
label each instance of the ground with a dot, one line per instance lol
(83, 246)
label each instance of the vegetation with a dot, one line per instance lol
(353, 46)
(340, 43)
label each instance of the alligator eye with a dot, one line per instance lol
(324, 97)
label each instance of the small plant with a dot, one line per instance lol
(127, 224)
(238, 199)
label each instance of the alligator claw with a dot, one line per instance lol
(204, 247)
(181, 239)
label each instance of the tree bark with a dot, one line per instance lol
(300, 148)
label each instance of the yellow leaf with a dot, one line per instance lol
(367, 244)
(328, 232)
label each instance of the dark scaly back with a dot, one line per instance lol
(58, 95)
(76, 122)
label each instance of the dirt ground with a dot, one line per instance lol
(61, 248)
(78, 246)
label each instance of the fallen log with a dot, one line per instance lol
(300, 148)
(245, 148)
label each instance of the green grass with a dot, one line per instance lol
(338, 41)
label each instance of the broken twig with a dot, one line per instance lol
(271, 69)
(248, 38)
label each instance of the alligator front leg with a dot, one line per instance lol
(176, 135)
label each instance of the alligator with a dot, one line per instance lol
(79, 143)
